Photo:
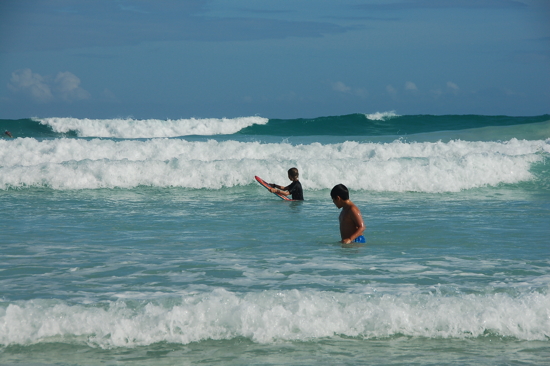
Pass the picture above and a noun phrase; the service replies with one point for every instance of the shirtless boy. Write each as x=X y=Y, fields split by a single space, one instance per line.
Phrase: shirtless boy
x=351 y=222
x=294 y=189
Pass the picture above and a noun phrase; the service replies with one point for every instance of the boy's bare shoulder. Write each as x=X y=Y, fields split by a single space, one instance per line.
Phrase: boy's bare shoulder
x=354 y=212
x=353 y=206
x=350 y=210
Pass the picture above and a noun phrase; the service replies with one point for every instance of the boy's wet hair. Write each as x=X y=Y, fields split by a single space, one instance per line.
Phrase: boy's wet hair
x=293 y=172
x=341 y=191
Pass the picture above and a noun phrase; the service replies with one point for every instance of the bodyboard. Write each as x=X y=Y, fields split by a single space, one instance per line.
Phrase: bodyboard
x=267 y=186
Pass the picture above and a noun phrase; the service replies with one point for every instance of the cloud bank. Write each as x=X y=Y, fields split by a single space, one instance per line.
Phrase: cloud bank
x=65 y=86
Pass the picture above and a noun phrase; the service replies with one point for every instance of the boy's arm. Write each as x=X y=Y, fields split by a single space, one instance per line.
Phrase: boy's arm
x=279 y=191
x=359 y=224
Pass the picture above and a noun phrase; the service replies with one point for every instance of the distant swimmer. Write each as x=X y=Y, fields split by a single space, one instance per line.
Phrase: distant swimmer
x=351 y=222
x=8 y=133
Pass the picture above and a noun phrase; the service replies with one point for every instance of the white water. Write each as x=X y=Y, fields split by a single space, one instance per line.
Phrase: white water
x=396 y=166
x=132 y=128
x=381 y=116
x=284 y=315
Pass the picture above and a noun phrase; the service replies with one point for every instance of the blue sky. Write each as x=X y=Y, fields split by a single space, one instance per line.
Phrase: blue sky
x=273 y=58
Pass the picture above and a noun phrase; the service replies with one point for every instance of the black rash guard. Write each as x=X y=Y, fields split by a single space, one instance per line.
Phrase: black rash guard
x=295 y=188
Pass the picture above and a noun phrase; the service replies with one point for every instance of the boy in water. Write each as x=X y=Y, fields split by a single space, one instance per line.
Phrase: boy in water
x=351 y=222
x=294 y=189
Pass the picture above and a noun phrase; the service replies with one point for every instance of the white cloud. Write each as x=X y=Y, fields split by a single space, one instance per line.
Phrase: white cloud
x=391 y=90
x=109 y=95
x=65 y=86
x=68 y=87
x=341 y=87
x=436 y=92
x=34 y=85
x=452 y=86
x=361 y=92
x=409 y=85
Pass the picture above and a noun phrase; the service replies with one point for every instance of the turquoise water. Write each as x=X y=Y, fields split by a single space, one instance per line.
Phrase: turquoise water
x=118 y=248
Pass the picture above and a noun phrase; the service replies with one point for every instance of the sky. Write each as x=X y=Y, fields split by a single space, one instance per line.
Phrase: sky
x=273 y=58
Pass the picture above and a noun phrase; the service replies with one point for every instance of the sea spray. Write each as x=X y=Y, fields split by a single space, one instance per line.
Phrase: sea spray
x=132 y=128
x=381 y=116
x=271 y=316
x=396 y=166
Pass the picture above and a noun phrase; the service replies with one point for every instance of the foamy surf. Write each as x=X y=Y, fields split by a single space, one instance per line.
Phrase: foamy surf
x=272 y=316
x=149 y=128
x=203 y=273
x=381 y=116
x=395 y=167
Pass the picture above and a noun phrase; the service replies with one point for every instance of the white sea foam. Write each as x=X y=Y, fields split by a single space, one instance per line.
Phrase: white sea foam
x=132 y=128
x=396 y=166
x=272 y=316
x=381 y=116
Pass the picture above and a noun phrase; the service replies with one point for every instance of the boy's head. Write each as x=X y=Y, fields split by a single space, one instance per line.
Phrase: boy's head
x=341 y=191
x=293 y=173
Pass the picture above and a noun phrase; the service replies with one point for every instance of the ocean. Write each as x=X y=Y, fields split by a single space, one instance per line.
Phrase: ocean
x=148 y=242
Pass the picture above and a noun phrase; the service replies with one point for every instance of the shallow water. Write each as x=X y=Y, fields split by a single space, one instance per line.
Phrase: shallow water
x=231 y=274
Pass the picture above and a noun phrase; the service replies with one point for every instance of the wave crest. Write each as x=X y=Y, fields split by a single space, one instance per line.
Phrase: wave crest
x=381 y=116
x=131 y=128
x=272 y=316
x=397 y=166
